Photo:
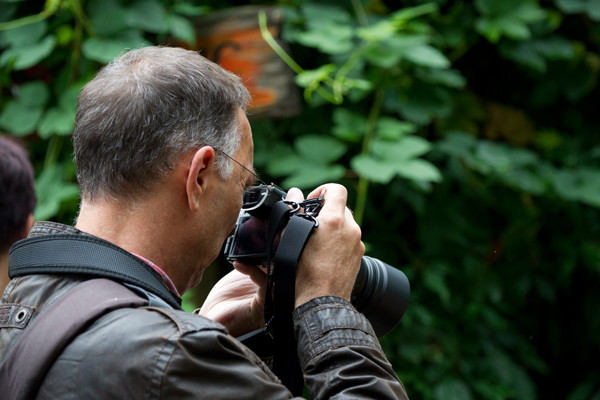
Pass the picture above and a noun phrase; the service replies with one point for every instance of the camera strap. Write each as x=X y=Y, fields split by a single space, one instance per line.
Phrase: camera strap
x=278 y=337
x=286 y=364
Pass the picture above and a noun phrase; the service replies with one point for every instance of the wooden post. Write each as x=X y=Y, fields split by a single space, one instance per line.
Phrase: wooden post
x=232 y=39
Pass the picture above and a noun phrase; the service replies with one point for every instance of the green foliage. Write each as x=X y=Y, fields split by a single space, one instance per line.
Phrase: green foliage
x=465 y=131
x=470 y=156
x=45 y=60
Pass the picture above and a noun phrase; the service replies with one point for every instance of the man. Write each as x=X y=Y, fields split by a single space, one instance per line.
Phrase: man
x=17 y=200
x=163 y=152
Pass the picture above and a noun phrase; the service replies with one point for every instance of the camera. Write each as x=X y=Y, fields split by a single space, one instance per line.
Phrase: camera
x=381 y=292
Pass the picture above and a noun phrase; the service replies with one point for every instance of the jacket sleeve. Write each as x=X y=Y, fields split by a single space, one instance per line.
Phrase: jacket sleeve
x=338 y=350
x=340 y=354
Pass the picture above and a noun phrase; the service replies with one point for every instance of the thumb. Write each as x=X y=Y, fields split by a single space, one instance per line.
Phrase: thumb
x=295 y=194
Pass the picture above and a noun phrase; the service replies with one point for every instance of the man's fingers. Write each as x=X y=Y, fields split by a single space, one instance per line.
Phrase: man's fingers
x=334 y=196
x=256 y=274
x=295 y=194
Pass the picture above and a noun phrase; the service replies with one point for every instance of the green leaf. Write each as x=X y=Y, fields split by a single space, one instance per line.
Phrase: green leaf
x=590 y=186
x=585 y=390
x=64 y=35
x=285 y=163
x=566 y=184
x=392 y=129
x=572 y=6
x=331 y=38
x=383 y=171
x=555 y=48
x=418 y=170
x=34 y=94
x=56 y=121
x=457 y=144
x=579 y=185
x=383 y=56
x=427 y=56
x=447 y=77
x=524 y=53
x=182 y=29
x=373 y=170
x=104 y=50
x=514 y=29
x=405 y=148
x=493 y=155
x=25 y=35
x=187 y=301
x=51 y=190
x=377 y=32
x=68 y=99
x=433 y=279
x=508 y=18
x=317 y=15
x=489 y=29
x=310 y=176
x=408 y=13
x=420 y=102
x=28 y=55
x=452 y=390
x=389 y=52
x=148 y=15
x=512 y=375
x=312 y=78
x=320 y=149
x=20 y=119
x=109 y=19
x=493 y=7
x=526 y=181
x=190 y=10
x=349 y=125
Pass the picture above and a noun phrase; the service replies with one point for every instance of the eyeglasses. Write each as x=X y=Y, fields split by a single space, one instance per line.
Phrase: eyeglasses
x=257 y=180
x=255 y=194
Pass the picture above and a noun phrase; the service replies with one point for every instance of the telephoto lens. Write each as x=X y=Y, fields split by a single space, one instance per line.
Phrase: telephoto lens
x=381 y=293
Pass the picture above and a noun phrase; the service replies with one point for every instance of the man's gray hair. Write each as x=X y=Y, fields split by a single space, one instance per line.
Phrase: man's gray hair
x=144 y=111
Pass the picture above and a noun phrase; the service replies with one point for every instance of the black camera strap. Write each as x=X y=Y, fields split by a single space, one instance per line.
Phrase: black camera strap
x=277 y=339
x=286 y=364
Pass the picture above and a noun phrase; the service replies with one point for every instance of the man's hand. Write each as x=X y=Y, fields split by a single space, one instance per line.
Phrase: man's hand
x=237 y=300
x=331 y=259
x=328 y=266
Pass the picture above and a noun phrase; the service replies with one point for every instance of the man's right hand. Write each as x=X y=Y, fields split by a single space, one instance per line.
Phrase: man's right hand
x=332 y=256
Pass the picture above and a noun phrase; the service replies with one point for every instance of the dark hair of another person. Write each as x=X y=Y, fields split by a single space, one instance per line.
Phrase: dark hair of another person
x=17 y=193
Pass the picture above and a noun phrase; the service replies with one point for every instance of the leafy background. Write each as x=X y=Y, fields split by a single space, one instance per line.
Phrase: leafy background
x=465 y=131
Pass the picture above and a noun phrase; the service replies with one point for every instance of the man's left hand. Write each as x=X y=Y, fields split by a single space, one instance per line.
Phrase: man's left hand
x=237 y=300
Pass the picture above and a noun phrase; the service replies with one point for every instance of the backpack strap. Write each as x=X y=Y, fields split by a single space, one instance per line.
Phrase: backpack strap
x=26 y=364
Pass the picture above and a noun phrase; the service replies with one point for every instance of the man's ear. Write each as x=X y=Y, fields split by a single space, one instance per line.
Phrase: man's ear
x=199 y=175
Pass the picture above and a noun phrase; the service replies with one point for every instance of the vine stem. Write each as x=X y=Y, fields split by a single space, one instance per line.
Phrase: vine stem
x=53 y=151
x=50 y=7
x=363 y=183
x=360 y=12
x=268 y=37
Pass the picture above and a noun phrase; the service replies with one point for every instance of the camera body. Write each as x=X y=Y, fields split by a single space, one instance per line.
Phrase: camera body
x=249 y=240
x=381 y=292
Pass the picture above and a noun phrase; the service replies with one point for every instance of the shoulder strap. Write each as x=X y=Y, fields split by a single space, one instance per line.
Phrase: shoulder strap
x=26 y=364
x=85 y=255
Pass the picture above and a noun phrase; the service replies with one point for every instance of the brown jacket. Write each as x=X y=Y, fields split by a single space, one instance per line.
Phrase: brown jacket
x=162 y=353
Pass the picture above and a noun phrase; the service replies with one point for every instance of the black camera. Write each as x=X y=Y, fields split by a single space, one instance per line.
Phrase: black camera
x=381 y=292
